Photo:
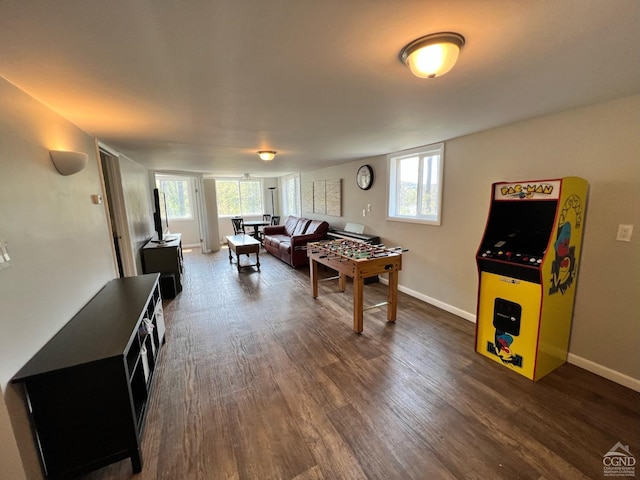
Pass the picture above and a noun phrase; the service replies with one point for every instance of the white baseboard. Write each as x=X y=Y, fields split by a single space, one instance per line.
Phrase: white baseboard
x=609 y=374
x=590 y=366
x=432 y=301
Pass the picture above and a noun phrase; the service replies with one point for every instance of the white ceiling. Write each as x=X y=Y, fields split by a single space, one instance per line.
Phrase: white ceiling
x=201 y=85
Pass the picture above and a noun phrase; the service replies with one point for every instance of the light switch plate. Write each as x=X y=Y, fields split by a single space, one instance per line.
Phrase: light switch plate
x=5 y=259
x=624 y=233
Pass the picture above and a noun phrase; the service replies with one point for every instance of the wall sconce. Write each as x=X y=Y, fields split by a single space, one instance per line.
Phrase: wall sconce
x=267 y=155
x=68 y=163
x=432 y=55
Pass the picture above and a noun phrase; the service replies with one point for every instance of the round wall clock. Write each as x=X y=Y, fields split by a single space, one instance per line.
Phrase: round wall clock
x=364 y=177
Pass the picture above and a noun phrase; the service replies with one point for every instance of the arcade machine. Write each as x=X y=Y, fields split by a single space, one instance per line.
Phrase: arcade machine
x=527 y=264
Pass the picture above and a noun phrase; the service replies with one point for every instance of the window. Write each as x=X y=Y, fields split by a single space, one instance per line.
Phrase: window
x=179 y=194
x=415 y=185
x=239 y=197
x=291 y=195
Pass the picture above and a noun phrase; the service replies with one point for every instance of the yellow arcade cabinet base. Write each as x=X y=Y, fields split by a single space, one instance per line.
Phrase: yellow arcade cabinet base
x=511 y=338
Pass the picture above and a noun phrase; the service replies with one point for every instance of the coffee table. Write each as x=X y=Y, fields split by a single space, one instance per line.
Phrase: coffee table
x=244 y=245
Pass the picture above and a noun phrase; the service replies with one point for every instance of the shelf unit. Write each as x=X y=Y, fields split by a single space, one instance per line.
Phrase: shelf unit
x=88 y=388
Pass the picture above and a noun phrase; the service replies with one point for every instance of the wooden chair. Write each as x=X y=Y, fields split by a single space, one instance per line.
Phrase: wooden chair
x=275 y=220
x=238 y=226
x=266 y=217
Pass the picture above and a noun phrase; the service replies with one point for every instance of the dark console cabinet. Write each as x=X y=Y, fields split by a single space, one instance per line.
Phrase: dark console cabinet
x=88 y=388
x=166 y=259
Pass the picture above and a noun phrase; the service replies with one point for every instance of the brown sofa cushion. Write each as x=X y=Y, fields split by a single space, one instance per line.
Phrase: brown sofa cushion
x=301 y=227
x=285 y=247
x=290 y=224
x=314 y=226
x=276 y=240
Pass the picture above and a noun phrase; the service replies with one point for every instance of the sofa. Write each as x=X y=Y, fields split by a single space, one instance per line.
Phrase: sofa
x=288 y=241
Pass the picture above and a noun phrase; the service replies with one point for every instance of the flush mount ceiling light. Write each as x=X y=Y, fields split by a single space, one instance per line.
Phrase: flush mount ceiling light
x=267 y=155
x=432 y=55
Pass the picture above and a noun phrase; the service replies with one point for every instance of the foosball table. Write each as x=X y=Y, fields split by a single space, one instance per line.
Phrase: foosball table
x=357 y=260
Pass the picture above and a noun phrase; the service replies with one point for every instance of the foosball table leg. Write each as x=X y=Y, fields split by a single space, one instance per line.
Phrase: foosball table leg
x=313 y=276
x=358 y=300
x=392 y=296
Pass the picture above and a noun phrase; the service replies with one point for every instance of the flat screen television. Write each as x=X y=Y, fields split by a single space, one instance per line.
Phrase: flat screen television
x=160 y=219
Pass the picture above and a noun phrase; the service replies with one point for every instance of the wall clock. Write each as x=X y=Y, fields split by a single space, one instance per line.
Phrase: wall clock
x=364 y=177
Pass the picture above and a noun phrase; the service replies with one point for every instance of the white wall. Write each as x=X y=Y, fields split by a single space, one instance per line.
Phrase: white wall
x=137 y=197
x=209 y=186
x=138 y=205
x=58 y=239
x=600 y=143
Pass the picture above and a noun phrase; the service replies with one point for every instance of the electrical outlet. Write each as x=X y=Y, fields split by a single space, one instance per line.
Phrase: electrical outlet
x=624 y=233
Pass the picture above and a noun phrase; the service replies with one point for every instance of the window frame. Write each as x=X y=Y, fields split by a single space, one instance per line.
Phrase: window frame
x=191 y=194
x=286 y=208
x=393 y=161
x=239 y=181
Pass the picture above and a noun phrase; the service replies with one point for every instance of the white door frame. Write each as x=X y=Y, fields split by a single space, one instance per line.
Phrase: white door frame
x=115 y=203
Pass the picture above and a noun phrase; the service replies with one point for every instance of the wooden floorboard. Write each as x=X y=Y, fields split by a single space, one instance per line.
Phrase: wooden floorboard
x=258 y=380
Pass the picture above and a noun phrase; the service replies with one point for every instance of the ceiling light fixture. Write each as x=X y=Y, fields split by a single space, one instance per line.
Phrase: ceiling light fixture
x=267 y=155
x=432 y=55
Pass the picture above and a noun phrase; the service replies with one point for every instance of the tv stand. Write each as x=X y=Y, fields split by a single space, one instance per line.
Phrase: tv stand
x=88 y=388
x=165 y=258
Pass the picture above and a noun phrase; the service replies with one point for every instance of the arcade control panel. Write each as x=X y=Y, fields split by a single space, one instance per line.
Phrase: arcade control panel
x=506 y=256
x=497 y=259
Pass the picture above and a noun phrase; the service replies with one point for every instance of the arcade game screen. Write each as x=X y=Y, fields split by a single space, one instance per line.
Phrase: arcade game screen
x=520 y=226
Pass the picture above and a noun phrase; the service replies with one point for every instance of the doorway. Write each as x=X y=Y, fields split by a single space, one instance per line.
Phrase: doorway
x=124 y=257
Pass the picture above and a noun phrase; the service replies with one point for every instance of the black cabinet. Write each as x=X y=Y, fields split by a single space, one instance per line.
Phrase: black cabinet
x=88 y=388
x=166 y=259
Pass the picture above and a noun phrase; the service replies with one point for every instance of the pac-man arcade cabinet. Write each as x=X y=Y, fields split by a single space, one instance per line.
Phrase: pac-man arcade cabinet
x=528 y=266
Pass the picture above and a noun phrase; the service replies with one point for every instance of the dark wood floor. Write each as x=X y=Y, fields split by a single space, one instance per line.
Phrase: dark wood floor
x=260 y=381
